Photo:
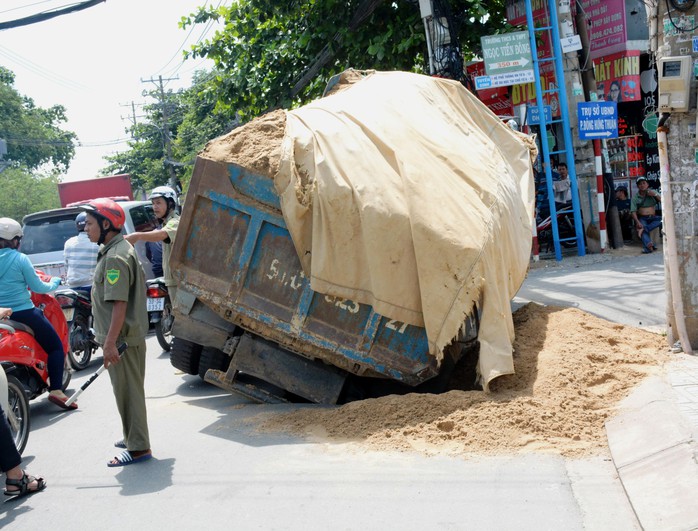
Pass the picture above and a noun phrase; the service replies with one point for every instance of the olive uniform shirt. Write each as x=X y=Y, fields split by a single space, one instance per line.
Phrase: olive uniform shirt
x=170 y=227
x=119 y=277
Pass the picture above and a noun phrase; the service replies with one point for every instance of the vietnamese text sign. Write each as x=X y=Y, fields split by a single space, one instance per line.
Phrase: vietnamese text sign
x=533 y=117
x=597 y=119
x=607 y=32
x=508 y=52
x=503 y=80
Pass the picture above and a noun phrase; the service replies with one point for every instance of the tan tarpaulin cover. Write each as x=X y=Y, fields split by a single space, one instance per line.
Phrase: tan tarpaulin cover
x=405 y=192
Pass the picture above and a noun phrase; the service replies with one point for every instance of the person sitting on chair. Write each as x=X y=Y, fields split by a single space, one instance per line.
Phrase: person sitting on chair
x=643 y=211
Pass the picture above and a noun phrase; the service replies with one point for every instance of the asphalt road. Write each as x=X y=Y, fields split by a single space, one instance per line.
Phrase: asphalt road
x=213 y=469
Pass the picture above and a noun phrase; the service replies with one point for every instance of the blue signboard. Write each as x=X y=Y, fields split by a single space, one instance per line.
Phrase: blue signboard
x=533 y=116
x=597 y=120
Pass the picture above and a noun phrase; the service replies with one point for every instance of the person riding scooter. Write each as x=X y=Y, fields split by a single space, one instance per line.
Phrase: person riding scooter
x=164 y=201
x=80 y=256
x=17 y=277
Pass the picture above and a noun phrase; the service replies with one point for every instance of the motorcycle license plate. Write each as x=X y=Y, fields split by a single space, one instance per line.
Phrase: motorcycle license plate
x=156 y=304
x=68 y=312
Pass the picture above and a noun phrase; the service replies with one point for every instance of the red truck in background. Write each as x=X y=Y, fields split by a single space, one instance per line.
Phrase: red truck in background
x=109 y=186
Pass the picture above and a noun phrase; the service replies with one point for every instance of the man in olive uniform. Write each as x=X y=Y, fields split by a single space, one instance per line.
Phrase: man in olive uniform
x=120 y=315
x=164 y=200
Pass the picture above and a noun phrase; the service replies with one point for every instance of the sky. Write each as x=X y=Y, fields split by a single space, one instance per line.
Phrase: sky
x=97 y=62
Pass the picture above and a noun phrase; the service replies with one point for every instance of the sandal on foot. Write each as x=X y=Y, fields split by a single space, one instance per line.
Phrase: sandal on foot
x=60 y=402
x=23 y=485
x=120 y=444
x=127 y=459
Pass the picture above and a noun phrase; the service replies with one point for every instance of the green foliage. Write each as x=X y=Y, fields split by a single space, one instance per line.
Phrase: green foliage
x=33 y=134
x=28 y=193
x=267 y=47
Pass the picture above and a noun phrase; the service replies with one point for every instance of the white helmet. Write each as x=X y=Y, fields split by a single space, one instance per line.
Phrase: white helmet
x=165 y=192
x=10 y=229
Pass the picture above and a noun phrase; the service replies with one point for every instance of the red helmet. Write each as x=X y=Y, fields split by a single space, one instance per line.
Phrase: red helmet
x=107 y=209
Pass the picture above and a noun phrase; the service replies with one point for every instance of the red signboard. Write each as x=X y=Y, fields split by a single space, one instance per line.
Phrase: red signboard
x=618 y=76
x=607 y=27
x=496 y=99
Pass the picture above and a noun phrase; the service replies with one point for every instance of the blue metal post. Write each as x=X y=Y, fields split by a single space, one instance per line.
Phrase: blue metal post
x=564 y=113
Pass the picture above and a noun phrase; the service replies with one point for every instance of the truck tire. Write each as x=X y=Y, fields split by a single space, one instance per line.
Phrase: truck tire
x=185 y=355
x=212 y=358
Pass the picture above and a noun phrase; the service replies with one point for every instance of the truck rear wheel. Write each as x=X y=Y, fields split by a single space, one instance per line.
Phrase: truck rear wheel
x=185 y=355
x=212 y=358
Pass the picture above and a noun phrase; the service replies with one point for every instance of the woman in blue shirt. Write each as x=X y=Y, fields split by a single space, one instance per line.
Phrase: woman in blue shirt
x=17 y=277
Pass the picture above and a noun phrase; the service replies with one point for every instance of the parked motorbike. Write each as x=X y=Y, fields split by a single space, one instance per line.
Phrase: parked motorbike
x=565 y=230
x=77 y=309
x=15 y=404
x=20 y=350
x=160 y=311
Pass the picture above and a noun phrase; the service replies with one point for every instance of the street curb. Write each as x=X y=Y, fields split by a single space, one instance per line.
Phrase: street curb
x=655 y=452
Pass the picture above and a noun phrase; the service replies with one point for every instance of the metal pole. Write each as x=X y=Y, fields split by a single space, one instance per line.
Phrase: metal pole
x=599 y=193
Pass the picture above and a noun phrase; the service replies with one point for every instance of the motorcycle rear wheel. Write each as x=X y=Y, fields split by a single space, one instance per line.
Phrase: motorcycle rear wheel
x=18 y=413
x=81 y=348
x=67 y=374
x=163 y=328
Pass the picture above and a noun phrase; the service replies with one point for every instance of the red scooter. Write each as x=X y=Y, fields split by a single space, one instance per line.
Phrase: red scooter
x=21 y=355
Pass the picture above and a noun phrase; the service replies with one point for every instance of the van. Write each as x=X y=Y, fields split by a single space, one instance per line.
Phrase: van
x=45 y=234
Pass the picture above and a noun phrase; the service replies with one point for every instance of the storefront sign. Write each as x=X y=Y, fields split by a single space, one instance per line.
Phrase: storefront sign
x=597 y=120
x=607 y=29
x=618 y=76
x=526 y=93
x=497 y=99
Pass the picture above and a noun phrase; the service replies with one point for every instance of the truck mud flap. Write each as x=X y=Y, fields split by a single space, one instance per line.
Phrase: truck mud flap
x=294 y=374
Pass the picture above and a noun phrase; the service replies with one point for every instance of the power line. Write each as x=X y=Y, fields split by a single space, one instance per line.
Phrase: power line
x=40 y=70
x=25 y=6
x=40 y=17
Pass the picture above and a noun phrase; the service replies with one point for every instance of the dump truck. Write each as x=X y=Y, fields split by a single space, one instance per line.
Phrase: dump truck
x=297 y=283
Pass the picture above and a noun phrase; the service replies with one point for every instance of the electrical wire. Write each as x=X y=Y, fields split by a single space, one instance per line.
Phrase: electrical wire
x=671 y=19
x=40 y=70
x=25 y=6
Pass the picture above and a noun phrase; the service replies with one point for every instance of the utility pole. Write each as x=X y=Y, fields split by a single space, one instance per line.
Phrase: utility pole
x=671 y=24
x=166 y=140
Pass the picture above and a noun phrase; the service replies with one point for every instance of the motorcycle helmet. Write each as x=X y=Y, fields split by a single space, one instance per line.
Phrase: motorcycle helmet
x=10 y=229
x=108 y=209
x=165 y=192
x=80 y=221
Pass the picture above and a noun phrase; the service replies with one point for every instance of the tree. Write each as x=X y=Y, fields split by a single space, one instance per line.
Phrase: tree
x=33 y=134
x=267 y=46
x=28 y=193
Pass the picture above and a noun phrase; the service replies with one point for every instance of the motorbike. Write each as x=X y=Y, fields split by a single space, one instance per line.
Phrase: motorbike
x=565 y=229
x=77 y=309
x=15 y=404
x=160 y=311
x=22 y=356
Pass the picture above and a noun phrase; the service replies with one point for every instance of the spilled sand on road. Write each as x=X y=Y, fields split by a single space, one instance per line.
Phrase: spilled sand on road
x=572 y=370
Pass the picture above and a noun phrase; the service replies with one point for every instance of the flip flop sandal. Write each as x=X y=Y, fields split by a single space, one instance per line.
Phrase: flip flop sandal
x=127 y=459
x=120 y=444
x=60 y=402
x=23 y=486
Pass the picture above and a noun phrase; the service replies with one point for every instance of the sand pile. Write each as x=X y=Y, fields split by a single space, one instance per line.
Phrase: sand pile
x=572 y=369
x=255 y=145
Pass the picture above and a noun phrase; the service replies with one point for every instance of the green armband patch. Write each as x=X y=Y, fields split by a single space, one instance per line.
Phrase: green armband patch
x=113 y=276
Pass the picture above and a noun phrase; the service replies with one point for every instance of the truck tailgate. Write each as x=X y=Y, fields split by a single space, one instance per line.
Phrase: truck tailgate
x=234 y=253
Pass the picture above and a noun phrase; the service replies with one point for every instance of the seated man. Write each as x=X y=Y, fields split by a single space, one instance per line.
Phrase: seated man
x=623 y=205
x=643 y=211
